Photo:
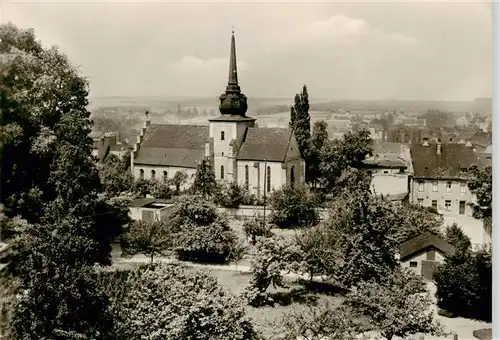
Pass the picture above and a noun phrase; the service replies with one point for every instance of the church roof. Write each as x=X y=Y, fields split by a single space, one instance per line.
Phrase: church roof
x=265 y=143
x=173 y=145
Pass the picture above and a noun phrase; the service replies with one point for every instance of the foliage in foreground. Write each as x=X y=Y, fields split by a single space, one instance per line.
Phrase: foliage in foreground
x=398 y=305
x=171 y=302
x=464 y=284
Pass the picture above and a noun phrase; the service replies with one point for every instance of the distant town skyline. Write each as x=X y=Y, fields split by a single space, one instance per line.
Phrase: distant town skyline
x=342 y=51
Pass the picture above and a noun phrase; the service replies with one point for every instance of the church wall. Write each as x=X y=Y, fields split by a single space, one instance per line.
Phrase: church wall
x=293 y=159
x=171 y=170
x=256 y=175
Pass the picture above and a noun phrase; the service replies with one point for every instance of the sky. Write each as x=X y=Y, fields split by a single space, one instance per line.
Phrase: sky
x=342 y=50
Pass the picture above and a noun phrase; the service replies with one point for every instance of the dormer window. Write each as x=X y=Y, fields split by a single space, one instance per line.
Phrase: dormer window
x=222 y=135
x=463 y=170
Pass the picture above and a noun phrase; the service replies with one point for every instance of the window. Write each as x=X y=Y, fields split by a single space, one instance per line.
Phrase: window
x=153 y=175
x=463 y=170
x=413 y=264
x=463 y=188
x=448 y=186
x=222 y=135
x=461 y=208
x=420 y=201
x=141 y=174
x=165 y=176
x=222 y=172
x=435 y=186
x=386 y=172
x=401 y=170
x=435 y=204
x=431 y=255
x=268 y=186
x=447 y=205
x=292 y=175
x=420 y=186
x=222 y=153
x=247 y=176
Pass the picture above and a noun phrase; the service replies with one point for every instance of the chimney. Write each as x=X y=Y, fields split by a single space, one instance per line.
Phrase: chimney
x=425 y=141
x=438 y=147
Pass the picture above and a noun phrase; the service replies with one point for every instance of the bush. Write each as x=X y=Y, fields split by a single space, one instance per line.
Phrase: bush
x=293 y=207
x=455 y=236
x=200 y=232
x=256 y=228
x=148 y=238
x=160 y=190
x=464 y=286
x=171 y=302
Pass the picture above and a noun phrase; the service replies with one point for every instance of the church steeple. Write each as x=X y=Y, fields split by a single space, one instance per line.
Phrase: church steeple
x=233 y=102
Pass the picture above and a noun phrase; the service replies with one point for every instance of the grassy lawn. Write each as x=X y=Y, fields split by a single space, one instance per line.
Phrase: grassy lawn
x=264 y=318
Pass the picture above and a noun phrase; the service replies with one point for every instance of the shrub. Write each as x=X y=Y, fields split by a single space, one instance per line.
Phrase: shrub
x=256 y=228
x=148 y=238
x=141 y=187
x=171 y=302
x=200 y=232
x=160 y=190
x=455 y=236
x=464 y=286
x=293 y=207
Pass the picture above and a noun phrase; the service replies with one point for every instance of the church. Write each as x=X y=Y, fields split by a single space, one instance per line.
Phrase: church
x=258 y=158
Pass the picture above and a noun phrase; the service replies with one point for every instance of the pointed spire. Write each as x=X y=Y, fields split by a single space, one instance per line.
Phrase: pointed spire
x=232 y=84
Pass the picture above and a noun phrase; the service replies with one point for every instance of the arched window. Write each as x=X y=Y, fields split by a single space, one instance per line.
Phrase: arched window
x=141 y=174
x=292 y=175
x=222 y=172
x=268 y=189
x=222 y=135
x=246 y=176
x=153 y=175
x=165 y=176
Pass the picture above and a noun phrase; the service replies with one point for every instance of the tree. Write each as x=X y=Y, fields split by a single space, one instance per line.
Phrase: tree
x=141 y=187
x=231 y=196
x=414 y=220
x=300 y=121
x=180 y=178
x=204 y=181
x=318 y=139
x=455 y=236
x=45 y=126
x=464 y=286
x=293 y=206
x=115 y=175
x=481 y=185
x=159 y=190
x=200 y=232
x=398 y=306
x=148 y=238
x=338 y=155
x=318 y=253
x=275 y=255
x=172 y=302
x=364 y=228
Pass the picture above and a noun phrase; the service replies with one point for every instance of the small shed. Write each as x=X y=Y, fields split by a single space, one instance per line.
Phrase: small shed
x=150 y=209
x=423 y=253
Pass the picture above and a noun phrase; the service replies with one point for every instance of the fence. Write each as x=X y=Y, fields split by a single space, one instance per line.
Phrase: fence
x=250 y=211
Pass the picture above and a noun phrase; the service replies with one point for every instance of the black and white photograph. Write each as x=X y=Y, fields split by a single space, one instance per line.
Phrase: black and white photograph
x=235 y=170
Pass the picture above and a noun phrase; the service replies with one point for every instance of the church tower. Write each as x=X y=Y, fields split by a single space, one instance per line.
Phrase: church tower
x=227 y=130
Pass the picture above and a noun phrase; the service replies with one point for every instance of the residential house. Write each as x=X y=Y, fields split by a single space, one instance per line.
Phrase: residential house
x=391 y=169
x=440 y=181
x=463 y=120
x=107 y=143
x=424 y=253
x=261 y=159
